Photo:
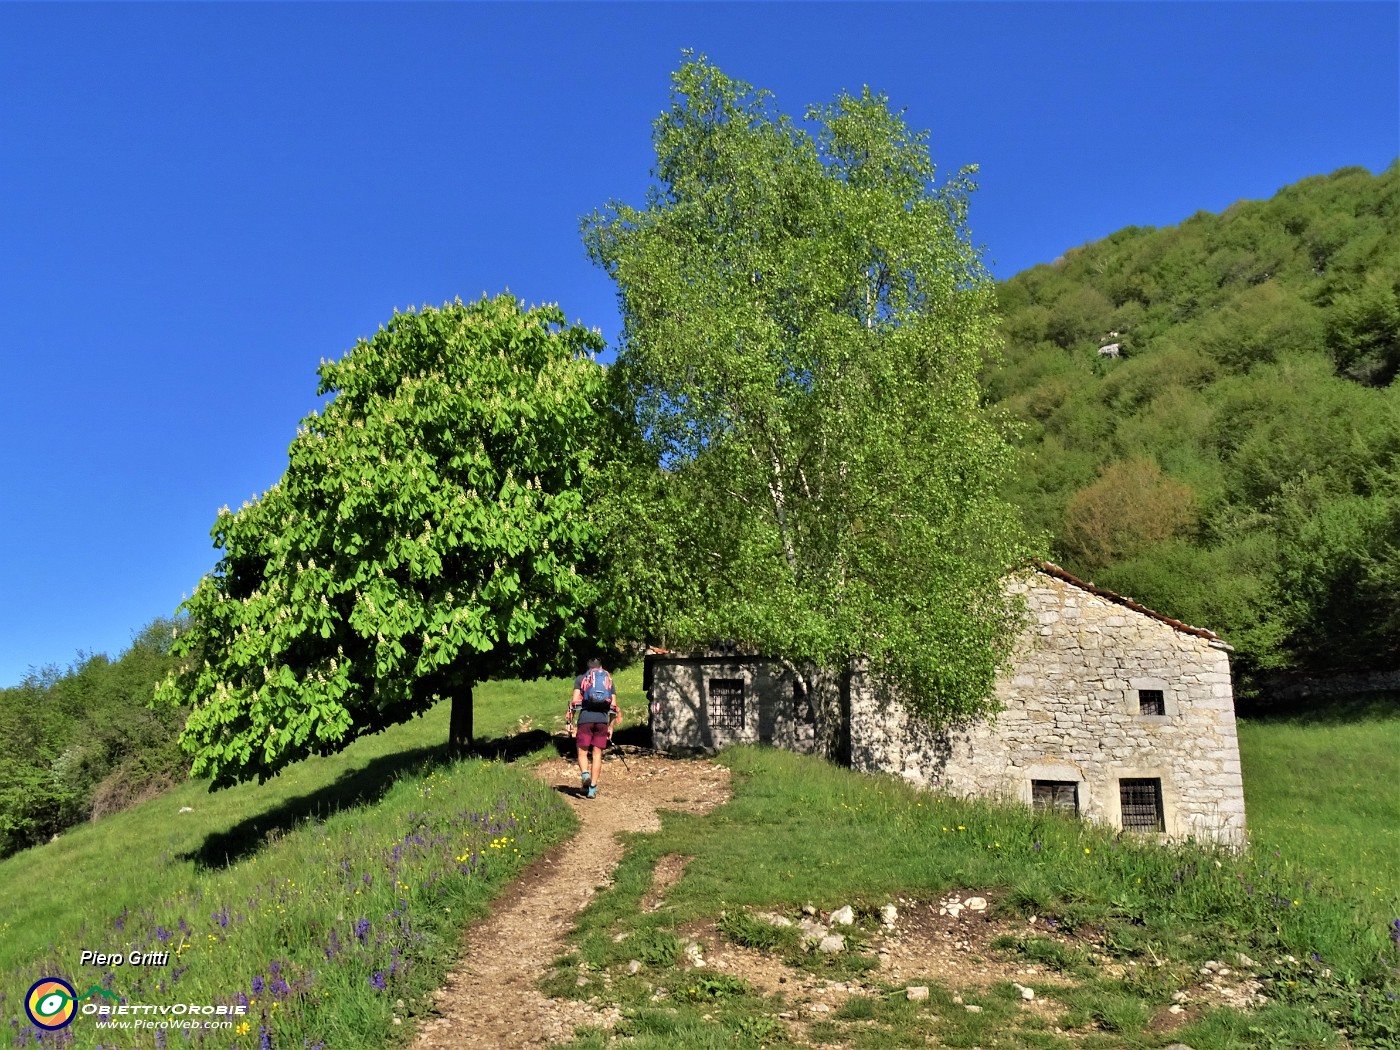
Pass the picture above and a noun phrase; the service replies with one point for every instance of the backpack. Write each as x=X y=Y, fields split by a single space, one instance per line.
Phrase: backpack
x=596 y=691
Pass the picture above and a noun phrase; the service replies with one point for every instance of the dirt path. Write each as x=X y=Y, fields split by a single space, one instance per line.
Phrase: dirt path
x=491 y=1000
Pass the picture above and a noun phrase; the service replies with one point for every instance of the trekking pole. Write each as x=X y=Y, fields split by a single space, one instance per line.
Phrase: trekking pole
x=620 y=755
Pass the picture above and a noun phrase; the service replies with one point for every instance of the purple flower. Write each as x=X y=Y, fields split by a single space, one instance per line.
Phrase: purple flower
x=279 y=987
x=1395 y=932
x=362 y=929
x=264 y=1038
x=183 y=925
x=221 y=917
x=258 y=985
x=1036 y=847
x=274 y=968
x=377 y=982
x=162 y=934
x=333 y=947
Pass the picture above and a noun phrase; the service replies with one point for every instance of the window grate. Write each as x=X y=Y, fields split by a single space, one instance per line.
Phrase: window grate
x=726 y=703
x=1151 y=702
x=1141 y=798
x=1059 y=795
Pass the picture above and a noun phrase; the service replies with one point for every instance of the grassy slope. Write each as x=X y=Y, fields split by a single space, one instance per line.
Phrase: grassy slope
x=1324 y=791
x=264 y=874
x=879 y=839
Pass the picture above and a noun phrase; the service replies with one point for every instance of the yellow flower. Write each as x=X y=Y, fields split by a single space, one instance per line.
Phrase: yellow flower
x=242 y=1028
x=1087 y=850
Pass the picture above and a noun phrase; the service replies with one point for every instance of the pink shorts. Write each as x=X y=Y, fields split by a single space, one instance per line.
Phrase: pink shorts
x=592 y=734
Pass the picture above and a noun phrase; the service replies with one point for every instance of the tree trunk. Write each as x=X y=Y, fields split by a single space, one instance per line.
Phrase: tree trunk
x=459 y=728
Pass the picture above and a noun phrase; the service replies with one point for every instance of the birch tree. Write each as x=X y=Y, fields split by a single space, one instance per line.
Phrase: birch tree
x=804 y=321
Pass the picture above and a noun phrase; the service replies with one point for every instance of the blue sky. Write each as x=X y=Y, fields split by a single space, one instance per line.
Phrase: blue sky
x=199 y=202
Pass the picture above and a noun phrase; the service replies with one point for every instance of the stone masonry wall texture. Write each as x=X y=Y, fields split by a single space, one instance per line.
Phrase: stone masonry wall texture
x=1071 y=714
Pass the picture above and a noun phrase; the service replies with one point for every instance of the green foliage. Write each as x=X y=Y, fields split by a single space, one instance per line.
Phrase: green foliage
x=804 y=323
x=84 y=742
x=1235 y=466
x=434 y=529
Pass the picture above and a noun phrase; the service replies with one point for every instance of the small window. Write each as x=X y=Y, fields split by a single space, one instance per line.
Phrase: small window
x=1059 y=795
x=1151 y=702
x=1142 y=803
x=727 y=703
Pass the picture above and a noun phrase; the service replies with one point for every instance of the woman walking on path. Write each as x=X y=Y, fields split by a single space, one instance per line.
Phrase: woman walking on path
x=592 y=716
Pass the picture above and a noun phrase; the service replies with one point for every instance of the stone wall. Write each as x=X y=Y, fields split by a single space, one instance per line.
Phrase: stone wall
x=1071 y=715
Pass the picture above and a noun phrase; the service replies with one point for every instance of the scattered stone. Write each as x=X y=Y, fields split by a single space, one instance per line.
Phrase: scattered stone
x=1176 y=1008
x=975 y=904
x=1245 y=960
x=633 y=965
x=582 y=982
x=1178 y=997
x=832 y=944
x=843 y=916
x=398 y=1020
x=1206 y=970
x=1224 y=971
x=972 y=1009
x=618 y=938
x=398 y=1004
x=772 y=918
x=1027 y=994
x=809 y=909
x=693 y=956
x=812 y=930
x=820 y=1008
x=916 y=993
x=1177 y=1046
x=958 y=1000
x=186 y=809
x=888 y=914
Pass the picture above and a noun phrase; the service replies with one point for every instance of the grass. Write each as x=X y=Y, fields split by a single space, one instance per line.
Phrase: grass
x=799 y=830
x=327 y=901
x=260 y=894
x=1322 y=791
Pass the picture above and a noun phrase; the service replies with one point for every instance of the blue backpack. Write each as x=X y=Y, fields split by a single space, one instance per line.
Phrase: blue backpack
x=596 y=690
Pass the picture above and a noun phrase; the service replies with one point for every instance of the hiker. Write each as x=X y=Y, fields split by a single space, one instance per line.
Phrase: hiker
x=595 y=704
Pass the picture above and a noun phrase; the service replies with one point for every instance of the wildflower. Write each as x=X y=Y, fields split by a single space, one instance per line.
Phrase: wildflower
x=243 y=1028
x=1395 y=932
x=258 y=985
x=377 y=981
x=362 y=930
x=1087 y=849
x=264 y=1038
x=1036 y=846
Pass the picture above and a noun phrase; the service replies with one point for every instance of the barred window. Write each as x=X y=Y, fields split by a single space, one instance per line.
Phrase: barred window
x=1151 y=702
x=1059 y=795
x=1141 y=798
x=726 y=703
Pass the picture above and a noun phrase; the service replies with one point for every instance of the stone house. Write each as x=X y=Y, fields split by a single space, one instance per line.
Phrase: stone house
x=1110 y=710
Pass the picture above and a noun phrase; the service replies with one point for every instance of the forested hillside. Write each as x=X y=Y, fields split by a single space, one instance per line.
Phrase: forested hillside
x=85 y=742
x=1235 y=464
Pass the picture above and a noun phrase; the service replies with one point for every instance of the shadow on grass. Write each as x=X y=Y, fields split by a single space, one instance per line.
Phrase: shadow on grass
x=1325 y=711
x=361 y=786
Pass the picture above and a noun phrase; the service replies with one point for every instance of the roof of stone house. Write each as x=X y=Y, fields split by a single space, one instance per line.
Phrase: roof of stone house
x=1051 y=569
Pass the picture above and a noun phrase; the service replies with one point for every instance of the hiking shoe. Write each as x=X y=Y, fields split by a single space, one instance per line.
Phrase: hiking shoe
x=592 y=790
x=586 y=778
